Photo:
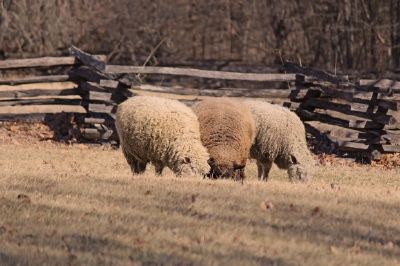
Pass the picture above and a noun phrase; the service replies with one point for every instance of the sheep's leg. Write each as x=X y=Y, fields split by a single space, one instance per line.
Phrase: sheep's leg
x=263 y=170
x=137 y=167
x=159 y=167
x=260 y=169
x=140 y=167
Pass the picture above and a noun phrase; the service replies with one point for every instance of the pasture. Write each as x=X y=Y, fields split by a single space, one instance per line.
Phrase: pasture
x=78 y=205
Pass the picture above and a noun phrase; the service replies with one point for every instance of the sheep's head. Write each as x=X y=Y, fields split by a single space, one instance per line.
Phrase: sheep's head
x=300 y=171
x=189 y=167
x=226 y=169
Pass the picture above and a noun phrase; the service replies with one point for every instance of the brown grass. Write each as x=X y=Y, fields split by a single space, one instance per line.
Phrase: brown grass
x=77 y=205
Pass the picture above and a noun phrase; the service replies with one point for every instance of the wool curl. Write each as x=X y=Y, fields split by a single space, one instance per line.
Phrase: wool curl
x=280 y=139
x=227 y=130
x=161 y=131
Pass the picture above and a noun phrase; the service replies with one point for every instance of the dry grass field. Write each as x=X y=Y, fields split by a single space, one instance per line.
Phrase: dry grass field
x=80 y=205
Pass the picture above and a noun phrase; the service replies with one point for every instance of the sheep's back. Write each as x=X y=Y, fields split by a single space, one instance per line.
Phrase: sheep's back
x=151 y=125
x=226 y=125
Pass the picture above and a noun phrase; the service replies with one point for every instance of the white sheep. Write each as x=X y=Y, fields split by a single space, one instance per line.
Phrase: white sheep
x=161 y=131
x=280 y=139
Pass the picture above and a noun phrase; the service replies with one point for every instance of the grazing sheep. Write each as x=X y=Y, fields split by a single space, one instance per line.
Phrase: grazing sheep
x=161 y=131
x=227 y=130
x=280 y=139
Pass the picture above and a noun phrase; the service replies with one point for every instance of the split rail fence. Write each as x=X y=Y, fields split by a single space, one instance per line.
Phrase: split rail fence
x=361 y=117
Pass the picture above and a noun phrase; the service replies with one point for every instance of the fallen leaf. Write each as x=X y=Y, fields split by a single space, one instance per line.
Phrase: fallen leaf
x=266 y=205
x=355 y=249
x=389 y=245
x=24 y=198
x=2 y=229
x=316 y=211
x=334 y=250
x=193 y=198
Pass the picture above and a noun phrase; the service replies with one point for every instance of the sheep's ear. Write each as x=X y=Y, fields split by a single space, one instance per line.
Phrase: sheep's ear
x=186 y=160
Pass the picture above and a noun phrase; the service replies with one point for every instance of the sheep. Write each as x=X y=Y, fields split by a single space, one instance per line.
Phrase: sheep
x=161 y=131
x=227 y=130
x=280 y=139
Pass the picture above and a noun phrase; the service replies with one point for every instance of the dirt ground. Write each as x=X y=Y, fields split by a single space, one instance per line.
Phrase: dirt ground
x=66 y=204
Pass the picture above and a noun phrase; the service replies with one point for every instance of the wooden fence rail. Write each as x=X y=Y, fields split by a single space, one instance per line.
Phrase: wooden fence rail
x=199 y=73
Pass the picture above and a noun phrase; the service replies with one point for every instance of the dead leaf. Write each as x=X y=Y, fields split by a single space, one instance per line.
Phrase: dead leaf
x=316 y=211
x=24 y=198
x=193 y=198
x=2 y=229
x=13 y=128
x=389 y=245
x=334 y=250
x=266 y=206
x=355 y=249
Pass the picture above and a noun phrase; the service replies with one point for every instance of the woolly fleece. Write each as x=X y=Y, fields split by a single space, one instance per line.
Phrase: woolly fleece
x=161 y=131
x=227 y=130
x=280 y=138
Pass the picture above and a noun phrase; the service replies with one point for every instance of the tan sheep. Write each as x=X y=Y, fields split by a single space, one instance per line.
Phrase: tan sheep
x=161 y=131
x=227 y=130
x=280 y=139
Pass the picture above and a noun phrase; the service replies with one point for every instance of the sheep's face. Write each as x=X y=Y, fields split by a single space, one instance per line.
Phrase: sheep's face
x=188 y=167
x=300 y=167
x=298 y=172
x=226 y=170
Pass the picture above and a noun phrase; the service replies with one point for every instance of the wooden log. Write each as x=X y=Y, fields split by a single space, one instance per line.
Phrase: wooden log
x=348 y=123
x=342 y=145
x=100 y=96
x=96 y=134
x=107 y=134
x=391 y=148
x=381 y=83
x=30 y=117
x=300 y=78
x=352 y=146
x=37 y=113
x=229 y=92
x=319 y=74
x=91 y=133
x=347 y=134
x=37 y=62
x=87 y=59
x=100 y=108
x=36 y=92
x=37 y=101
x=37 y=79
x=383 y=101
x=199 y=73
x=350 y=109
x=106 y=83
x=60 y=97
x=93 y=120
x=346 y=145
